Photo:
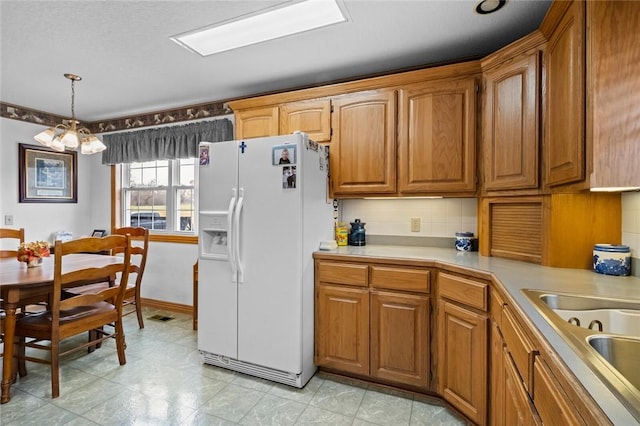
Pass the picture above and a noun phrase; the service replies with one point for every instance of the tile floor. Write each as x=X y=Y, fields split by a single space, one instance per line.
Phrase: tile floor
x=165 y=383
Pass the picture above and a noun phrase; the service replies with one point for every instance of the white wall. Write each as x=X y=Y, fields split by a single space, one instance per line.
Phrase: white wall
x=42 y=220
x=440 y=217
x=631 y=222
x=168 y=276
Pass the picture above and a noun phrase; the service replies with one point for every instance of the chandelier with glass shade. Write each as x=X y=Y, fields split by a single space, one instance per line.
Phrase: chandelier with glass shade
x=70 y=134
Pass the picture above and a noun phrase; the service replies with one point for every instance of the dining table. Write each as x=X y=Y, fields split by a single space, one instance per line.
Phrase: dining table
x=19 y=283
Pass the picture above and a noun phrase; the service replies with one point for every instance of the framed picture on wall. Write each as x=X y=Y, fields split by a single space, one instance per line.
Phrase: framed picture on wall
x=47 y=176
x=99 y=233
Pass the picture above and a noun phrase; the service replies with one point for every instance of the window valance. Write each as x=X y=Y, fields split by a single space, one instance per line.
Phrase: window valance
x=164 y=143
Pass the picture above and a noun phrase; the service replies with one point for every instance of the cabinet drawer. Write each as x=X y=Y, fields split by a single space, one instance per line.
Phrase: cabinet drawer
x=520 y=347
x=416 y=280
x=463 y=290
x=343 y=273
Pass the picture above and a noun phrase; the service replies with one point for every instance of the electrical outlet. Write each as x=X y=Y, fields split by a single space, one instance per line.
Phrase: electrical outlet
x=415 y=224
x=8 y=219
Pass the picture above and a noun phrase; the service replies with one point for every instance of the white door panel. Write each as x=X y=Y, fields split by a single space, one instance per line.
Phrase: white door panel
x=269 y=301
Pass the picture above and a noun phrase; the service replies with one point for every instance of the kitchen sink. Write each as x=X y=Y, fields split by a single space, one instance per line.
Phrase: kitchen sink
x=576 y=302
x=595 y=313
x=622 y=353
x=604 y=332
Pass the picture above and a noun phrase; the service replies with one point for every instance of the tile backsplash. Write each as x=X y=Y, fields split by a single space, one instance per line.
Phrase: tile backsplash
x=439 y=217
x=631 y=222
x=443 y=217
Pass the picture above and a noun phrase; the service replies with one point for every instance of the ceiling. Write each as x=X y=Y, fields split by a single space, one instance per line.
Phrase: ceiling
x=129 y=66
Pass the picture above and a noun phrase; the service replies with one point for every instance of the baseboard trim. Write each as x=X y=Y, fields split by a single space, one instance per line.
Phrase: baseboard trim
x=168 y=306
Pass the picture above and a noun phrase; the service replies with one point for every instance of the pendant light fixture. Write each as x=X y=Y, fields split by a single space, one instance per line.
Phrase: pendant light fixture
x=69 y=134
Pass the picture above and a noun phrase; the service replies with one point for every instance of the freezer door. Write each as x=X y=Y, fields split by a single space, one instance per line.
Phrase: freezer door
x=270 y=293
x=217 y=288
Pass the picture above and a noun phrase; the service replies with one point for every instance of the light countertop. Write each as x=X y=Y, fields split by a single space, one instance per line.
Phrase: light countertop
x=516 y=276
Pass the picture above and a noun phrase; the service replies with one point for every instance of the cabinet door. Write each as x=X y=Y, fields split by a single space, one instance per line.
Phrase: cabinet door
x=511 y=124
x=363 y=146
x=518 y=409
x=497 y=397
x=311 y=117
x=342 y=328
x=614 y=92
x=400 y=338
x=462 y=360
x=437 y=137
x=256 y=123
x=564 y=141
x=550 y=400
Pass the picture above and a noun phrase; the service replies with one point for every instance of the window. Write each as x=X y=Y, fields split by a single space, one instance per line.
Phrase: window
x=160 y=196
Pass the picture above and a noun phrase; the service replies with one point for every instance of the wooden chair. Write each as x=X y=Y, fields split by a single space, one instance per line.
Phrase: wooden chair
x=139 y=248
x=16 y=234
x=87 y=312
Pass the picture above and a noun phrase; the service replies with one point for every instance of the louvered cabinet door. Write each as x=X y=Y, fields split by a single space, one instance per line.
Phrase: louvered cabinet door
x=557 y=230
x=515 y=228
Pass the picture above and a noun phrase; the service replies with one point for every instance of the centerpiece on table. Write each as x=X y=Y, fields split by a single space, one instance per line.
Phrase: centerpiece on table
x=32 y=253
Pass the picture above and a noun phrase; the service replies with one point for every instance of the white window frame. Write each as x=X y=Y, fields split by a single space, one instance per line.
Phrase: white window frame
x=172 y=200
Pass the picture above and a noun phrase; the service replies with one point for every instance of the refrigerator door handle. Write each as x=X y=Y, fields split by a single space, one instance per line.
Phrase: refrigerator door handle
x=236 y=236
x=230 y=237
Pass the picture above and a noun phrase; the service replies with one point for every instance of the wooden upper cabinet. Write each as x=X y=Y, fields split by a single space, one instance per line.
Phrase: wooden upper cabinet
x=311 y=117
x=363 y=146
x=256 y=123
x=511 y=124
x=564 y=136
x=437 y=138
x=613 y=86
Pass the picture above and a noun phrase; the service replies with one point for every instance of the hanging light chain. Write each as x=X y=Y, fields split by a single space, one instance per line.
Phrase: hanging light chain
x=73 y=78
x=73 y=98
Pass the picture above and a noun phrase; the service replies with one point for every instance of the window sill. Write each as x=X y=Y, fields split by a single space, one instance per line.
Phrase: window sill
x=180 y=239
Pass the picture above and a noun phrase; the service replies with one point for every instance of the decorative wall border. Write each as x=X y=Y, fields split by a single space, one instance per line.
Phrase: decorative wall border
x=187 y=113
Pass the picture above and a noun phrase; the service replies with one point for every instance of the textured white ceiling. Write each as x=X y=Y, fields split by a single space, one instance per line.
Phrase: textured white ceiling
x=129 y=65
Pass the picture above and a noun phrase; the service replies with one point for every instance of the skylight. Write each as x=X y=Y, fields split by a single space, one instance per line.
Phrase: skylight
x=275 y=23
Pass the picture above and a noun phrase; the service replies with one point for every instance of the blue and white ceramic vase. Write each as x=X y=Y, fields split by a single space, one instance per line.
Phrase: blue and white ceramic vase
x=465 y=241
x=610 y=259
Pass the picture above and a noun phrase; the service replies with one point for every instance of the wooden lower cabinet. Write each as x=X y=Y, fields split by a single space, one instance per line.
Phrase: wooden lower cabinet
x=342 y=328
x=373 y=321
x=550 y=400
x=400 y=338
x=518 y=409
x=510 y=403
x=472 y=347
x=463 y=359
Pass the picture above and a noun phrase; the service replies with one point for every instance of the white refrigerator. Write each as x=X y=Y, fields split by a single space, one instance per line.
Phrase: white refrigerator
x=263 y=211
